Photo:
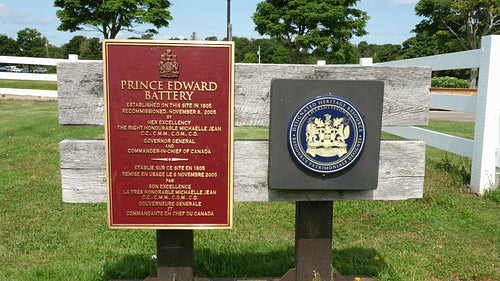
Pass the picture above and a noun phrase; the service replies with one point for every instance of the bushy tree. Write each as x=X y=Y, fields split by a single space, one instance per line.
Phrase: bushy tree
x=111 y=16
x=462 y=21
x=321 y=25
x=30 y=43
x=8 y=46
x=272 y=50
x=85 y=48
x=73 y=46
x=91 y=49
x=241 y=48
x=421 y=45
x=465 y=20
x=379 y=53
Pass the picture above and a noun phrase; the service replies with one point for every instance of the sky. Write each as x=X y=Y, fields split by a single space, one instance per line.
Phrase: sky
x=391 y=21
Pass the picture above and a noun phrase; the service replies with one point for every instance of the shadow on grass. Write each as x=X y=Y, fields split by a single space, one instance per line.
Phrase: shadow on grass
x=244 y=264
x=129 y=267
x=353 y=261
x=361 y=261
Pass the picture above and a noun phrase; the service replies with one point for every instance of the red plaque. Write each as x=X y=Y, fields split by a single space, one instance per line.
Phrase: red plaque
x=169 y=133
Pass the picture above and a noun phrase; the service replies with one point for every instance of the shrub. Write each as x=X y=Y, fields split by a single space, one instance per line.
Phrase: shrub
x=449 y=82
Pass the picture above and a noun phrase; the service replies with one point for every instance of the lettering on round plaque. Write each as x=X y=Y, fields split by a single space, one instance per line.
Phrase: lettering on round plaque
x=326 y=134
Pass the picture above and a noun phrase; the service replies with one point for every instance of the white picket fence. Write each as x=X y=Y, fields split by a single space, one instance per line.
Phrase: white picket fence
x=485 y=148
x=31 y=76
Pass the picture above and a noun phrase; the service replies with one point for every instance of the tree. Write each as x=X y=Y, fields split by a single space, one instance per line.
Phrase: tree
x=310 y=24
x=110 y=17
x=8 y=46
x=30 y=43
x=344 y=54
x=421 y=45
x=464 y=21
x=250 y=58
x=241 y=48
x=91 y=49
x=56 y=52
x=272 y=50
x=73 y=46
x=85 y=48
x=379 y=53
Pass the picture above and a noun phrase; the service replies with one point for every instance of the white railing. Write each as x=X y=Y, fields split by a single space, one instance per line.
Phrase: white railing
x=485 y=148
x=30 y=76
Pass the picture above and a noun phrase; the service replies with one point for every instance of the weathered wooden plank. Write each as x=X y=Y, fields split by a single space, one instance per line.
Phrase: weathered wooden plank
x=83 y=185
x=83 y=170
x=406 y=89
x=401 y=174
x=80 y=93
x=406 y=98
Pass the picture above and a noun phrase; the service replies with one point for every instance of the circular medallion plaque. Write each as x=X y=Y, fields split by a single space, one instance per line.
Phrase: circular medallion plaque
x=326 y=134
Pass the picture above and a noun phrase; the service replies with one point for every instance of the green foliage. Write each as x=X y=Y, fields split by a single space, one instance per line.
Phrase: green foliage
x=30 y=43
x=458 y=25
x=493 y=195
x=345 y=53
x=271 y=50
x=251 y=58
x=459 y=174
x=242 y=47
x=8 y=46
x=91 y=49
x=73 y=46
x=421 y=45
x=319 y=25
x=109 y=17
x=449 y=82
x=463 y=21
x=379 y=53
x=85 y=48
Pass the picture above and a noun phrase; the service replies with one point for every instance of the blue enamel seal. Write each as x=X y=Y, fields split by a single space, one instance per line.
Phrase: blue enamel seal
x=326 y=134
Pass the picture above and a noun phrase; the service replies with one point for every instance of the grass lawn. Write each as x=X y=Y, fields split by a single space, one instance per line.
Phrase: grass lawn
x=449 y=234
x=27 y=84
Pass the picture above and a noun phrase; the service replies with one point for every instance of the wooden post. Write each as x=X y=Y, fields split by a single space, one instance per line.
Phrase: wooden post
x=313 y=243
x=313 y=240
x=175 y=255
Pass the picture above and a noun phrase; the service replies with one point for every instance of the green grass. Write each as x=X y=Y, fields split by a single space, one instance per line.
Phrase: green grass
x=449 y=234
x=251 y=133
x=459 y=129
x=26 y=84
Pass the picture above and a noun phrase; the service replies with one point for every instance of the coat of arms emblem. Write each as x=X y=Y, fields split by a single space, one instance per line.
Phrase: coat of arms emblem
x=327 y=137
x=326 y=134
x=168 y=66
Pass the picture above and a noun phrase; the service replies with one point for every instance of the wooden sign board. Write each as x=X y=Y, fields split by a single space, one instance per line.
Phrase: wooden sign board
x=169 y=133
